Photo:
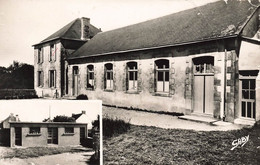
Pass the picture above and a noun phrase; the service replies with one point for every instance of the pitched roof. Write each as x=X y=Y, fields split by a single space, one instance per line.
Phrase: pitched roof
x=211 y=21
x=71 y=31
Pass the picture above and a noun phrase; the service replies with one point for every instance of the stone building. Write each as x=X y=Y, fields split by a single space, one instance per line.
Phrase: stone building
x=202 y=61
x=31 y=134
x=49 y=55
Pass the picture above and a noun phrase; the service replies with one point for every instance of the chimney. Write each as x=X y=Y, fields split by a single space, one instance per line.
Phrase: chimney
x=85 y=31
x=17 y=118
x=83 y=112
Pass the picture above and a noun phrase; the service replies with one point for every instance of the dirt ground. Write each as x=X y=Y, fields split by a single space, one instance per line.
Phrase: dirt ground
x=79 y=158
x=161 y=120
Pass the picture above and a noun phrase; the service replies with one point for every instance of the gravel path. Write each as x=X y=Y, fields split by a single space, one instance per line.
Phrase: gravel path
x=162 y=121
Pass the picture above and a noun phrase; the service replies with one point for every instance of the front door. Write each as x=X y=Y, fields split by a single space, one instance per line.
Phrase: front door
x=203 y=94
x=82 y=135
x=52 y=135
x=18 y=136
x=203 y=85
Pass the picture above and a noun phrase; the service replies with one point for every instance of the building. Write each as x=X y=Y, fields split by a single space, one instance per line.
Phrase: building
x=49 y=54
x=5 y=129
x=82 y=118
x=202 y=61
x=31 y=134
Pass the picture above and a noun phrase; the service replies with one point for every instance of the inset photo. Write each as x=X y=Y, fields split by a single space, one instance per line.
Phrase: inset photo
x=50 y=131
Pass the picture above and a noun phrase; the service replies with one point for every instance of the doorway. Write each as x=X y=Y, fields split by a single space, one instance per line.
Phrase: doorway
x=18 y=136
x=203 y=86
x=75 y=80
x=52 y=135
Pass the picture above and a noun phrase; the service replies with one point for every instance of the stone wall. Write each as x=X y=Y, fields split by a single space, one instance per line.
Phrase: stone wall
x=45 y=66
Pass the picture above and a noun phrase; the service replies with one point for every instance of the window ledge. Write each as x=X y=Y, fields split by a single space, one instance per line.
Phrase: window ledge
x=162 y=94
x=90 y=89
x=132 y=92
x=68 y=134
x=34 y=134
x=108 y=90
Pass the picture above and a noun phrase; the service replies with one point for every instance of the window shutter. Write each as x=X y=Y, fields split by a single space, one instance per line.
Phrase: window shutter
x=49 y=78
x=114 y=76
x=95 y=77
x=104 y=77
x=42 y=79
x=152 y=78
x=54 y=78
x=50 y=54
x=42 y=55
x=87 y=78
x=54 y=52
x=125 y=77
x=139 y=78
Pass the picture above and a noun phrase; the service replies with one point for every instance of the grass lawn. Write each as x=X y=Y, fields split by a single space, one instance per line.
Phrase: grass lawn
x=151 y=145
x=30 y=152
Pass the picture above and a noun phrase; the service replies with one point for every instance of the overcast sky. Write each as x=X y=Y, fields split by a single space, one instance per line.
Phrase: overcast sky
x=39 y=109
x=27 y=22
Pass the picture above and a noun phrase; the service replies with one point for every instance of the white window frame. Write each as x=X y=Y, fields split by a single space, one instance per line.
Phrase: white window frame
x=52 y=56
x=132 y=86
x=164 y=82
x=89 y=80
x=252 y=101
x=109 y=73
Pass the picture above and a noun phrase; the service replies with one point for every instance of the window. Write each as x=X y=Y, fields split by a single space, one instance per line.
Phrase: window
x=203 y=65
x=90 y=76
x=132 y=76
x=40 y=56
x=34 y=130
x=109 y=76
x=69 y=130
x=52 y=57
x=248 y=98
x=52 y=78
x=40 y=79
x=162 y=75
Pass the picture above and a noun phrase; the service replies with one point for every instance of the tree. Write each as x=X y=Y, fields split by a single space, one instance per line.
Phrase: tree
x=63 y=118
x=17 y=76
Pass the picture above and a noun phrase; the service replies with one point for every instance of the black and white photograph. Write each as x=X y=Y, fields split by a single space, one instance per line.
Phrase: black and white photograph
x=171 y=82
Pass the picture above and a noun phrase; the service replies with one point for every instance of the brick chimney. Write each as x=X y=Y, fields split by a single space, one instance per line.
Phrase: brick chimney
x=85 y=31
x=83 y=112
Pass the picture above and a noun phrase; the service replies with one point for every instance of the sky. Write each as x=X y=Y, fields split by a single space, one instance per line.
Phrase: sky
x=40 y=109
x=27 y=22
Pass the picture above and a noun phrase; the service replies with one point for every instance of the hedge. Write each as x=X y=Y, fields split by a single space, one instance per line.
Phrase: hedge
x=17 y=94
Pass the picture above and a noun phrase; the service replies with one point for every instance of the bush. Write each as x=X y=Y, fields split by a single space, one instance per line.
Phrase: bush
x=82 y=97
x=63 y=118
x=112 y=127
x=17 y=94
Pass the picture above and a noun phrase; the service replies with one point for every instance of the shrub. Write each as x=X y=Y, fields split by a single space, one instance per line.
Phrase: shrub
x=82 y=97
x=63 y=118
x=17 y=94
x=112 y=127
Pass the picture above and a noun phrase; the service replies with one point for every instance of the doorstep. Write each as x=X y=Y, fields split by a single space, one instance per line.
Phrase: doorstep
x=245 y=121
x=201 y=119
